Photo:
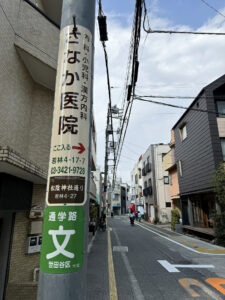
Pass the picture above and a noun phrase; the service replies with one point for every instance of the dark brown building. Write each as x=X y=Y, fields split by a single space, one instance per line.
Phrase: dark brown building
x=199 y=148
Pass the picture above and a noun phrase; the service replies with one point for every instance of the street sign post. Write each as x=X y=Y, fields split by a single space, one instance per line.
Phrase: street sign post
x=64 y=245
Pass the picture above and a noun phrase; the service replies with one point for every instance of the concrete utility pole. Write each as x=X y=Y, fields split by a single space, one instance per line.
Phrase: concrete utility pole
x=65 y=231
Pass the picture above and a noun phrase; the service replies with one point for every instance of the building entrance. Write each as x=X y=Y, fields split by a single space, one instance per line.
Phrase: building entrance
x=6 y=224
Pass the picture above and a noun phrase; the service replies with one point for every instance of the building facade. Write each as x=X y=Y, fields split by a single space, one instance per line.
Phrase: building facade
x=199 y=148
x=28 y=52
x=124 y=198
x=169 y=164
x=136 y=185
x=156 y=184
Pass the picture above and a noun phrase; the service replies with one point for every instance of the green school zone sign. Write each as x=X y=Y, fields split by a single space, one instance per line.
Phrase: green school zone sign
x=63 y=239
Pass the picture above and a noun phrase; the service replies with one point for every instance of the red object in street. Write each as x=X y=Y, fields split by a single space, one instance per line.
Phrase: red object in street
x=149 y=220
x=80 y=148
x=132 y=208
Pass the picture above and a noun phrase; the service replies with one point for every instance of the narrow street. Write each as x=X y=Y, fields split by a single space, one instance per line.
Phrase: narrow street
x=144 y=258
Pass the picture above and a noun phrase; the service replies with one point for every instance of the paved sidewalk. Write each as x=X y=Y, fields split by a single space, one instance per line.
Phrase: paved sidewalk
x=195 y=244
x=97 y=269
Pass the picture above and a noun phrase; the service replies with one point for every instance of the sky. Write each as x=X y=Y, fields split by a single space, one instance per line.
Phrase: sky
x=170 y=65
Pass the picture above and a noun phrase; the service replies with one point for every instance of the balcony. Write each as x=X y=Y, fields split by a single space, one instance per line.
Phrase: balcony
x=149 y=191
x=37 y=40
x=148 y=168
x=143 y=172
x=14 y=164
x=169 y=160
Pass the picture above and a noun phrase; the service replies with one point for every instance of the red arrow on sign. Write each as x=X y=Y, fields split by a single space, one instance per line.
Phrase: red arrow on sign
x=80 y=148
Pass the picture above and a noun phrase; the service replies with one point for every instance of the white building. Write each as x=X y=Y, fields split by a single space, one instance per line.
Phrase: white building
x=136 y=185
x=156 y=184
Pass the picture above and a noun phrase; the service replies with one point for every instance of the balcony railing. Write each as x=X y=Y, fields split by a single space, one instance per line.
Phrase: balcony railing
x=147 y=191
x=148 y=168
x=143 y=172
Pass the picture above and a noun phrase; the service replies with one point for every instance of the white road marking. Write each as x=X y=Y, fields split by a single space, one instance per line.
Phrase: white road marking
x=91 y=243
x=175 y=242
x=120 y=249
x=173 y=268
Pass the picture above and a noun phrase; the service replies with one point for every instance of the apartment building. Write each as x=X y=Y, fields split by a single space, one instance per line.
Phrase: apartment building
x=199 y=148
x=124 y=198
x=169 y=164
x=28 y=52
x=136 y=185
x=116 y=197
x=156 y=184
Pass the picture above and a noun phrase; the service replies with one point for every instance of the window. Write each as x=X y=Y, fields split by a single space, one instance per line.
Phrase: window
x=163 y=154
x=183 y=132
x=166 y=180
x=170 y=180
x=180 y=167
x=139 y=173
x=168 y=204
x=136 y=178
x=220 y=108
x=150 y=182
x=223 y=148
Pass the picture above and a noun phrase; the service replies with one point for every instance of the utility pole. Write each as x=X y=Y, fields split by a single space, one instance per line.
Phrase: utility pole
x=63 y=262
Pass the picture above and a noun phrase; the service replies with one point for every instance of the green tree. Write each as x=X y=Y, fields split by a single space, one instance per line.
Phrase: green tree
x=175 y=218
x=219 y=183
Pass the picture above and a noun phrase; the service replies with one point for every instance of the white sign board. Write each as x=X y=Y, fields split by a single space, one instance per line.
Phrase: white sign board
x=67 y=178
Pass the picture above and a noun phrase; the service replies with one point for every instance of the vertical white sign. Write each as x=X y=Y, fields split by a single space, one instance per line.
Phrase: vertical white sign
x=67 y=177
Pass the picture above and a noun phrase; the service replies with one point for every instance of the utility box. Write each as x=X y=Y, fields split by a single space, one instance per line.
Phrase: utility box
x=36 y=212
x=36 y=227
x=34 y=244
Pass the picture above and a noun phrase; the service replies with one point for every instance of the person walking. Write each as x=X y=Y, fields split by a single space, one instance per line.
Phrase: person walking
x=139 y=216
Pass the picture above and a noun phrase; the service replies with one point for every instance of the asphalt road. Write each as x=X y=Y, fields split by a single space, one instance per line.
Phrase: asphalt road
x=143 y=263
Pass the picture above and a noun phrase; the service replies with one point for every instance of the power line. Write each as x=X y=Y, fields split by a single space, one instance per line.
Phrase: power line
x=213 y=8
x=149 y=30
x=179 y=106
x=185 y=32
x=132 y=74
x=166 y=97
x=109 y=124
x=179 y=97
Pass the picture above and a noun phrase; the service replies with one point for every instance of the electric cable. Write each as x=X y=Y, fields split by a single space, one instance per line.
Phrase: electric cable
x=132 y=72
x=149 y=30
x=178 y=106
x=213 y=8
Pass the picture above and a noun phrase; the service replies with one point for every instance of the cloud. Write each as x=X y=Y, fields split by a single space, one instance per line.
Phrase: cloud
x=169 y=65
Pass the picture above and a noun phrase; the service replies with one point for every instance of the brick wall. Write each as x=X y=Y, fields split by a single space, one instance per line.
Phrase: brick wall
x=20 y=284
